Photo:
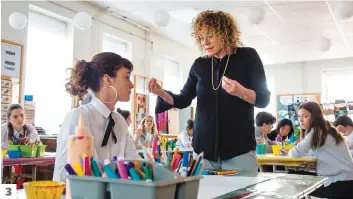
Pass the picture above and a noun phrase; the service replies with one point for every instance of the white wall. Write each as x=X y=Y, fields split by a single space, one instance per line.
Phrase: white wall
x=303 y=77
x=89 y=42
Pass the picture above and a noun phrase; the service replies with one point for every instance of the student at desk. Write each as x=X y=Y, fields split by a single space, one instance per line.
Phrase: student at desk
x=185 y=137
x=344 y=125
x=283 y=131
x=126 y=114
x=16 y=126
x=331 y=151
x=264 y=124
x=108 y=76
x=145 y=133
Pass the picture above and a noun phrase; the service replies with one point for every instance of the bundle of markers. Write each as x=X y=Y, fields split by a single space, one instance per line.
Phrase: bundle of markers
x=174 y=161
x=116 y=169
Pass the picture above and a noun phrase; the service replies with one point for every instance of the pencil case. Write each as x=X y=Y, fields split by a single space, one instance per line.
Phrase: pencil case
x=165 y=185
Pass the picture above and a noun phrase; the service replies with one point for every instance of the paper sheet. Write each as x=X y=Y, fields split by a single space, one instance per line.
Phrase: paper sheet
x=214 y=186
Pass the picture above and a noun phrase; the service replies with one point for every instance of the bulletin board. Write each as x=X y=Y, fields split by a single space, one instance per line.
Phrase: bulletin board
x=11 y=75
x=287 y=105
x=140 y=99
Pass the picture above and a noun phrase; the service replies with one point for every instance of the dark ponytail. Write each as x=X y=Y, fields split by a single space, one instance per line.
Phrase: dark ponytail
x=124 y=113
x=190 y=124
x=86 y=75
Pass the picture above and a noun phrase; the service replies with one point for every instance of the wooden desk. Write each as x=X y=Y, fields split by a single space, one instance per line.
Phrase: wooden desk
x=169 y=136
x=304 y=163
x=47 y=159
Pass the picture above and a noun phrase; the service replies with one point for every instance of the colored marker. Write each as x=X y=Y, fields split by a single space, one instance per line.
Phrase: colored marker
x=184 y=167
x=122 y=169
x=110 y=173
x=192 y=166
x=87 y=166
x=129 y=165
x=133 y=174
x=137 y=166
x=176 y=152
x=197 y=165
x=78 y=169
x=176 y=163
x=70 y=170
x=198 y=169
x=154 y=145
x=95 y=168
x=148 y=173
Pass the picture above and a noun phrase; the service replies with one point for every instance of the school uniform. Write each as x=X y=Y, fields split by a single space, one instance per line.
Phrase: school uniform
x=224 y=124
x=96 y=118
x=146 y=137
x=31 y=133
x=333 y=161
x=349 y=140
x=184 y=140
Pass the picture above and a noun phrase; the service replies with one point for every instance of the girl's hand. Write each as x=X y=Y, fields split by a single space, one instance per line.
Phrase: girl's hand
x=283 y=152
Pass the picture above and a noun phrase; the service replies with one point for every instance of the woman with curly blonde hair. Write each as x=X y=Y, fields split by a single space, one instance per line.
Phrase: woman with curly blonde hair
x=228 y=82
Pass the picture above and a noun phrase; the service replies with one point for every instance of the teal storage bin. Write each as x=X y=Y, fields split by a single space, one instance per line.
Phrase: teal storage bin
x=166 y=185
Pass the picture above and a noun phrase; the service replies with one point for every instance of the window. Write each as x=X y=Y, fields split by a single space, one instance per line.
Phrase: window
x=336 y=85
x=122 y=48
x=271 y=108
x=49 y=54
x=172 y=75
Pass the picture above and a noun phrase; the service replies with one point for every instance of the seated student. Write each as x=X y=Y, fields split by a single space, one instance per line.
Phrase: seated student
x=16 y=126
x=126 y=114
x=108 y=76
x=344 y=125
x=185 y=137
x=330 y=150
x=283 y=131
x=264 y=124
x=145 y=133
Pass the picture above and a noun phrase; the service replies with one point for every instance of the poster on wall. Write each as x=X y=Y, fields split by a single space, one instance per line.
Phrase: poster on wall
x=141 y=108
x=10 y=60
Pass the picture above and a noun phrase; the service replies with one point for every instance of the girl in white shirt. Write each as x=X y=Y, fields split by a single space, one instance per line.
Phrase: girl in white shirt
x=16 y=126
x=334 y=160
x=108 y=76
x=185 y=137
x=145 y=133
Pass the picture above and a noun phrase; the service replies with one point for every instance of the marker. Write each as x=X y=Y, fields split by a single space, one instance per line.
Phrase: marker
x=133 y=174
x=129 y=165
x=148 y=173
x=78 y=169
x=226 y=172
x=122 y=169
x=154 y=145
x=184 y=167
x=137 y=166
x=197 y=165
x=192 y=166
x=110 y=173
x=70 y=170
x=176 y=163
x=198 y=159
x=169 y=160
x=176 y=152
x=87 y=165
x=198 y=169
x=95 y=168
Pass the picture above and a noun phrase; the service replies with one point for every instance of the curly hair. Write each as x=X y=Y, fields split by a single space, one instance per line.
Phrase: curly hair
x=223 y=25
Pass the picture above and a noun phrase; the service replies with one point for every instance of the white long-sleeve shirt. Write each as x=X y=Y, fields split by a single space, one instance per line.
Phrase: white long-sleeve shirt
x=184 y=140
x=96 y=120
x=349 y=140
x=31 y=133
x=333 y=161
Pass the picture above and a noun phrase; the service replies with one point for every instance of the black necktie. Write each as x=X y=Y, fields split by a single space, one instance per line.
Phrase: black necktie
x=109 y=131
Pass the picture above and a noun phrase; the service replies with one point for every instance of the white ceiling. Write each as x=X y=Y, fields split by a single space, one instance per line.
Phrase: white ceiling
x=290 y=32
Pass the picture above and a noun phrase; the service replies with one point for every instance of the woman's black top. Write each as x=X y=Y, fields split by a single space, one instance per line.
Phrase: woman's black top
x=224 y=124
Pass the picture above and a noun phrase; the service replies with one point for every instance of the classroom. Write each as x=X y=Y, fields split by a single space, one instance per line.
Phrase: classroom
x=113 y=99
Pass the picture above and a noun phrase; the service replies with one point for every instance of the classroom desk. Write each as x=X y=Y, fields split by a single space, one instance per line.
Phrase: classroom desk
x=47 y=159
x=169 y=136
x=304 y=163
x=261 y=186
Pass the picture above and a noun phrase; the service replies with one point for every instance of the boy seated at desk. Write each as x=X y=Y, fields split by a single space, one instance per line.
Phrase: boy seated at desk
x=264 y=124
x=16 y=127
x=344 y=125
x=185 y=137
x=145 y=133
